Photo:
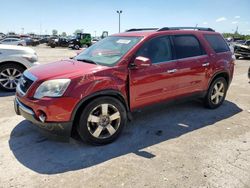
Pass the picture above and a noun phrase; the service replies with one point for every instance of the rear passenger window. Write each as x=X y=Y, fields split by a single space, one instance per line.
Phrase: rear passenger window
x=187 y=46
x=157 y=50
x=217 y=43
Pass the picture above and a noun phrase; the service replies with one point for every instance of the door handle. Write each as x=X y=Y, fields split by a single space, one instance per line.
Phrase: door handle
x=205 y=64
x=171 y=71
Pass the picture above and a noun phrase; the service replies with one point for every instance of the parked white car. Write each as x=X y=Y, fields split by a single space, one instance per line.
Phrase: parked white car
x=13 y=41
x=13 y=61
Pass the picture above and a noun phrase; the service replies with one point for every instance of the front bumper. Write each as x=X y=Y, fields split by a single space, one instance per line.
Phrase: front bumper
x=55 y=130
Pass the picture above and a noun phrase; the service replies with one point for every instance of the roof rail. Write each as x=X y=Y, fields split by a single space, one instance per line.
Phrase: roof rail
x=141 y=29
x=180 y=28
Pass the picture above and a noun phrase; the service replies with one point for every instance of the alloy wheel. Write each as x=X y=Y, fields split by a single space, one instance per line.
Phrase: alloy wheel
x=103 y=121
x=218 y=93
x=9 y=78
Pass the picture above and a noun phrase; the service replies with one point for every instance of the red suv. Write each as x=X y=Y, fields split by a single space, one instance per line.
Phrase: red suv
x=95 y=92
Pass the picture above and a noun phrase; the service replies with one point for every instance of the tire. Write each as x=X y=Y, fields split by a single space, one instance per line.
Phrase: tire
x=95 y=125
x=9 y=76
x=77 y=47
x=85 y=46
x=19 y=45
x=52 y=45
x=216 y=93
x=237 y=56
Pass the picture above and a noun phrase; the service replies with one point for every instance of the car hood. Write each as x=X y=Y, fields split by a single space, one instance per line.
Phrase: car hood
x=16 y=48
x=64 y=69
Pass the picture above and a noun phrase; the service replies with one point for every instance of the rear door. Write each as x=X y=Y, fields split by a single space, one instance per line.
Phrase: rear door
x=193 y=63
x=156 y=82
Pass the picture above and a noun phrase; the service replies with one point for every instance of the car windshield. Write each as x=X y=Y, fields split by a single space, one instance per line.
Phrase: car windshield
x=108 y=51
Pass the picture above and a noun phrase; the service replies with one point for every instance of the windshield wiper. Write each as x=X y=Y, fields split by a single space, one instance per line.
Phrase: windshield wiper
x=87 y=60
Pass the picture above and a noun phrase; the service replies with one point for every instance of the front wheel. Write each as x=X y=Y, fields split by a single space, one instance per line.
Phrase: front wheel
x=9 y=76
x=102 y=121
x=216 y=93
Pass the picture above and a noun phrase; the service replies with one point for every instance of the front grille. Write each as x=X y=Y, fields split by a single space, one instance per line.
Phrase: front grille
x=25 y=83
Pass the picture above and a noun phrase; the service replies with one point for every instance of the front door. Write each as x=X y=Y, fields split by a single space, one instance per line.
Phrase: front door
x=156 y=82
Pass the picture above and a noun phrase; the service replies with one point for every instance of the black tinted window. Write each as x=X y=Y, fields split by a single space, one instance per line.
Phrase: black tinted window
x=157 y=50
x=187 y=46
x=217 y=43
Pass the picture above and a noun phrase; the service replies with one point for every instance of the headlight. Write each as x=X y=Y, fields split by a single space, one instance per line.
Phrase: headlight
x=52 y=88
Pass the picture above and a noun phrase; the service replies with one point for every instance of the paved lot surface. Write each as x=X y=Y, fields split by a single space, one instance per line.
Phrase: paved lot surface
x=174 y=145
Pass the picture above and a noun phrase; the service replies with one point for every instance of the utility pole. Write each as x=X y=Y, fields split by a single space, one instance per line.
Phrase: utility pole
x=119 y=12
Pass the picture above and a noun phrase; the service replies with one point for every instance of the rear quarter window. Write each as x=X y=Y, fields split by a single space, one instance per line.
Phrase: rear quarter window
x=217 y=43
x=187 y=46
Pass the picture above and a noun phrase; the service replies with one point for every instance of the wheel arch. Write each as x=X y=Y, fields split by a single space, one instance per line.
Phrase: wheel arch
x=12 y=62
x=223 y=74
x=111 y=93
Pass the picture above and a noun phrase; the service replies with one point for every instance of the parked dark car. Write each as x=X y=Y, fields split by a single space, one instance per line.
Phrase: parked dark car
x=62 y=42
x=240 y=41
x=31 y=42
x=44 y=40
x=51 y=40
x=242 y=50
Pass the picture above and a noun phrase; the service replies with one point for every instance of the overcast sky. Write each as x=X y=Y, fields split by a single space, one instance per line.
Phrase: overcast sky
x=41 y=16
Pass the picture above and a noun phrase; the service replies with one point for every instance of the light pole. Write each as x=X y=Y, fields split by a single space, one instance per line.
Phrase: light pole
x=119 y=12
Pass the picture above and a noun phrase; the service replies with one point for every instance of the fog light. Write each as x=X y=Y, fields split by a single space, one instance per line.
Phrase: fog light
x=42 y=116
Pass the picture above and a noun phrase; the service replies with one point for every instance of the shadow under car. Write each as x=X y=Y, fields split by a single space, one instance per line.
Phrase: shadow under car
x=150 y=126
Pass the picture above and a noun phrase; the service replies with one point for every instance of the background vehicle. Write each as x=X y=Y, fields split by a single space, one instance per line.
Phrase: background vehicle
x=13 y=41
x=249 y=74
x=31 y=41
x=61 y=41
x=240 y=41
x=51 y=39
x=122 y=73
x=43 y=40
x=242 y=50
x=104 y=34
x=13 y=61
x=94 y=40
x=81 y=40
x=2 y=35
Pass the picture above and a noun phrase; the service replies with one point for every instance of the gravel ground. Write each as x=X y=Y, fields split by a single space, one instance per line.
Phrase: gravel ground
x=172 y=145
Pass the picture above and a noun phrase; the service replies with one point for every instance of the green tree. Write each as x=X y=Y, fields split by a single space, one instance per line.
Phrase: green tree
x=64 y=34
x=78 y=31
x=54 y=32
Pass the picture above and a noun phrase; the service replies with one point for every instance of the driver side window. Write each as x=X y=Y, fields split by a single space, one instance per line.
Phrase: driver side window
x=157 y=50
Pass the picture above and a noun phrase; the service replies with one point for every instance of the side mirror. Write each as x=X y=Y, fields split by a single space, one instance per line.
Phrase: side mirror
x=141 y=62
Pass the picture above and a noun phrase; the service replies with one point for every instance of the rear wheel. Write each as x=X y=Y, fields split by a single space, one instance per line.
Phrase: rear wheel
x=9 y=76
x=102 y=120
x=216 y=93
x=85 y=46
